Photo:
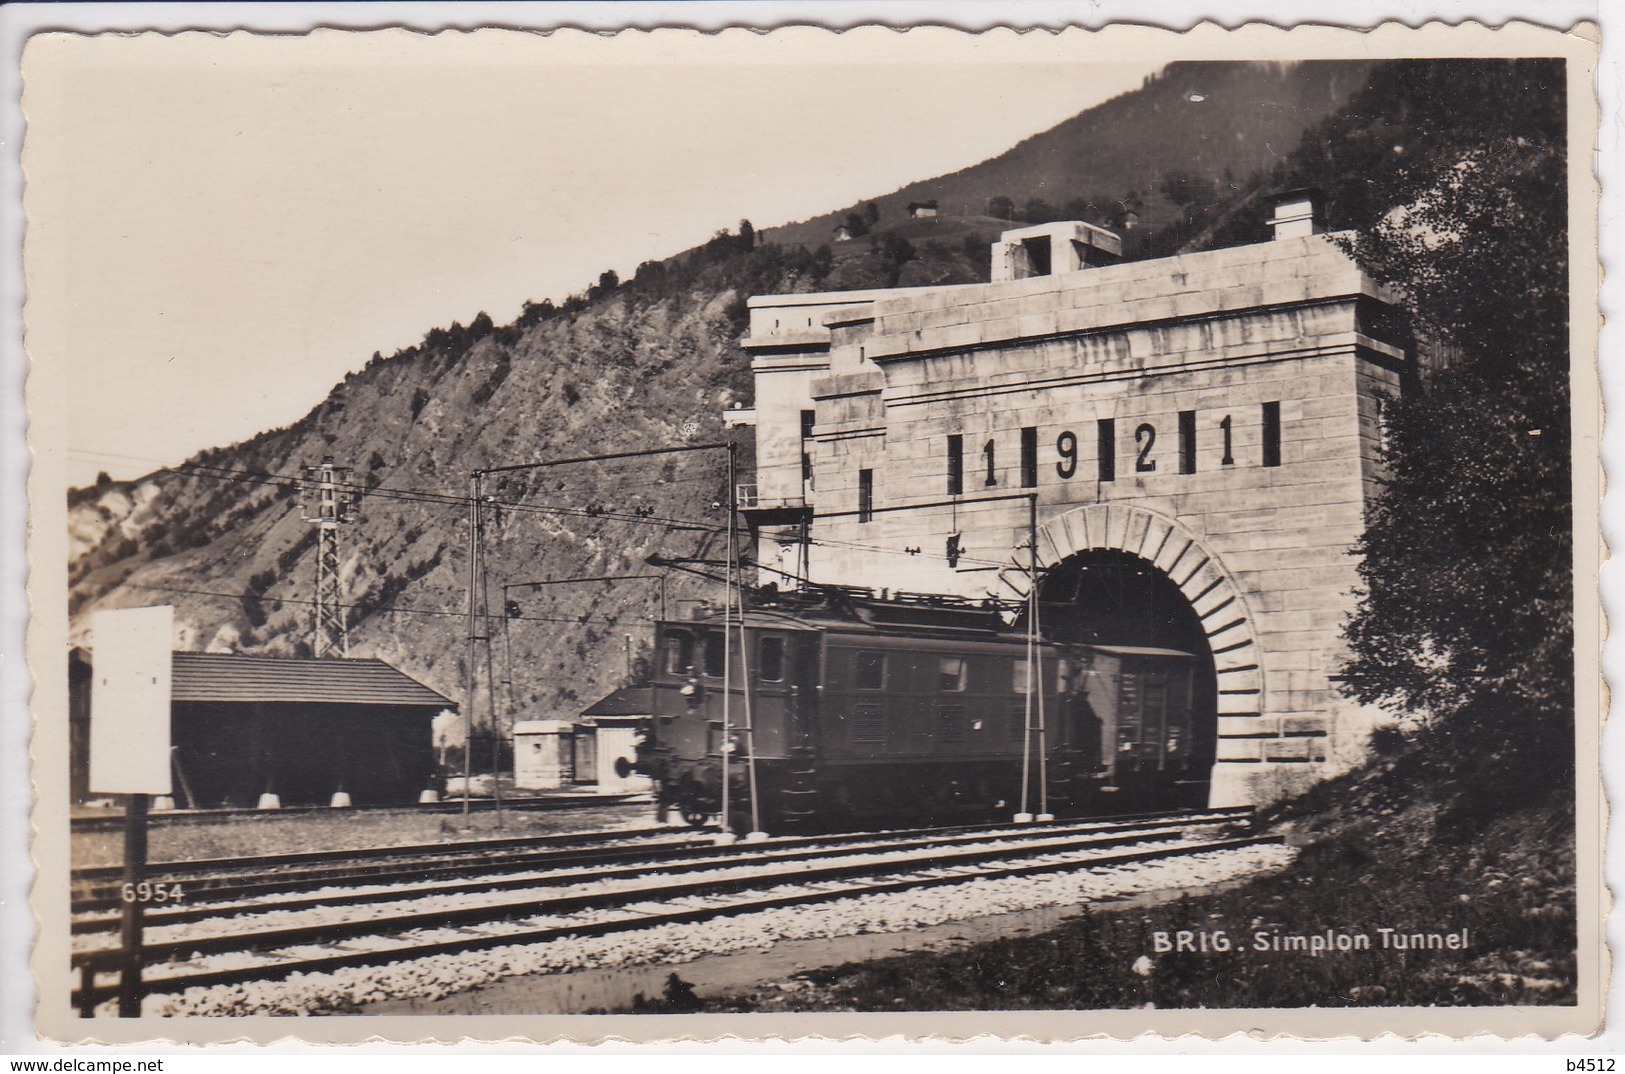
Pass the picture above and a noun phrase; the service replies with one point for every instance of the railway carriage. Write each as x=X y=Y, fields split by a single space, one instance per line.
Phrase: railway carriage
x=845 y=710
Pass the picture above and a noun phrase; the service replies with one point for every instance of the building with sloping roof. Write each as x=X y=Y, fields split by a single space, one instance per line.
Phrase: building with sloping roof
x=612 y=724
x=301 y=729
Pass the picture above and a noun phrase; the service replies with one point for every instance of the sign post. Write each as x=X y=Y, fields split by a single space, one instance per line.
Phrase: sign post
x=130 y=752
x=135 y=873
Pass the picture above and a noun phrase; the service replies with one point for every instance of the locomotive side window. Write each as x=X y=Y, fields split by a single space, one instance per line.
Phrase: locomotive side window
x=869 y=671
x=679 y=652
x=715 y=655
x=951 y=674
x=770 y=659
x=1018 y=675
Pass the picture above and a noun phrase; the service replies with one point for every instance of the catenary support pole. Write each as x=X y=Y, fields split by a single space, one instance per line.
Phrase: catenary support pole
x=1035 y=638
x=490 y=669
x=468 y=660
x=1035 y=677
x=725 y=748
x=746 y=679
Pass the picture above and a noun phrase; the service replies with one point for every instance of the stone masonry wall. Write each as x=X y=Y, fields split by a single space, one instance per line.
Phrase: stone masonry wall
x=1263 y=551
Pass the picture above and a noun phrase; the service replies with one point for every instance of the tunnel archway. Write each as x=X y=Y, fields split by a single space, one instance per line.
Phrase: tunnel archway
x=1106 y=597
x=1127 y=576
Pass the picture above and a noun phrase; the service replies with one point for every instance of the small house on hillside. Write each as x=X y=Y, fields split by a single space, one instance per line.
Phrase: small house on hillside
x=265 y=730
x=922 y=210
x=842 y=233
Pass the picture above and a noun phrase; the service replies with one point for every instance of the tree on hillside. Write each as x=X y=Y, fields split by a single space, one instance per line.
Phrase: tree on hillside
x=1467 y=612
x=1037 y=211
x=1189 y=191
x=1001 y=207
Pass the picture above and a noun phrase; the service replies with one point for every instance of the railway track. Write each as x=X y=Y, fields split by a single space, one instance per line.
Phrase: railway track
x=244 y=941
x=559 y=868
x=96 y=888
x=180 y=817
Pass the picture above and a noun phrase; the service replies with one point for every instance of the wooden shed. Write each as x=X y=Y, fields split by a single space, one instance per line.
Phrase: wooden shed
x=301 y=729
x=613 y=725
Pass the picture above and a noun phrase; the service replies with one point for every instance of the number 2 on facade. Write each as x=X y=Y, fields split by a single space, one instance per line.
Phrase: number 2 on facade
x=1145 y=436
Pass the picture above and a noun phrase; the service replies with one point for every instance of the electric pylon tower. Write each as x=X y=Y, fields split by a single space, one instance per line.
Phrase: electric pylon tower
x=327 y=502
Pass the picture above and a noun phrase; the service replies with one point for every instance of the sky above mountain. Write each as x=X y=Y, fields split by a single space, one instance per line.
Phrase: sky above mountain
x=221 y=228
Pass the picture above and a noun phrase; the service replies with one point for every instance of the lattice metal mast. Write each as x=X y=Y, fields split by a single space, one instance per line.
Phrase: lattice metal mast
x=328 y=502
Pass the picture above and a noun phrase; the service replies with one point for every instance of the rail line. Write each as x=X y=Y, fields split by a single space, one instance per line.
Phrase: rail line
x=221 y=879
x=566 y=868
x=748 y=879
x=168 y=818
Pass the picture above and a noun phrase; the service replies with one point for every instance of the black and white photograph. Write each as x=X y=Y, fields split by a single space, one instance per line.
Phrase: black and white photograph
x=670 y=534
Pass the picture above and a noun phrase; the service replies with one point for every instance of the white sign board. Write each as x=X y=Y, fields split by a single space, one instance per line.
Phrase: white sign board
x=129 y=700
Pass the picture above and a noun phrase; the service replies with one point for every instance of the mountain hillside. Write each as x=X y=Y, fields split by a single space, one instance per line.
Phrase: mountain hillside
x=222 y=538
x=1190 y=133
x=623 y=366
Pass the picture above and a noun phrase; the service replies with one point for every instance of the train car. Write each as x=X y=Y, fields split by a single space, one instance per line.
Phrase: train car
x=844 y=710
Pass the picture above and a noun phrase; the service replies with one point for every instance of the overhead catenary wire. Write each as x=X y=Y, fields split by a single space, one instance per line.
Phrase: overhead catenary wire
x=688 y=525
x=382 y=609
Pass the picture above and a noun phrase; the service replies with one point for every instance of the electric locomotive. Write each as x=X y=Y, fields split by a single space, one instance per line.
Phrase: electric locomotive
x=844 y=710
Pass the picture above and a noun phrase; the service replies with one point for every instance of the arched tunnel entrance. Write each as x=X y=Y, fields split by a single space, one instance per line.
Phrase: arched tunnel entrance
x=1110 y=598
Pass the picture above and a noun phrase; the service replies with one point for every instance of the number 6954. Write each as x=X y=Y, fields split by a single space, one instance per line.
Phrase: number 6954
x=146 y=892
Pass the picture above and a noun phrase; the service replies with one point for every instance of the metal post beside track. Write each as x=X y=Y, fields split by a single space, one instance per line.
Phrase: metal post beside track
x=135 y=872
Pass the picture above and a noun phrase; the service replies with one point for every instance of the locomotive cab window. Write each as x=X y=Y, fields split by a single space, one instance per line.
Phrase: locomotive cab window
x=951 y=674
x=1018 y=675
x=770 y=659
x=869 y=671
x=679 y=652
x=715 y=653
